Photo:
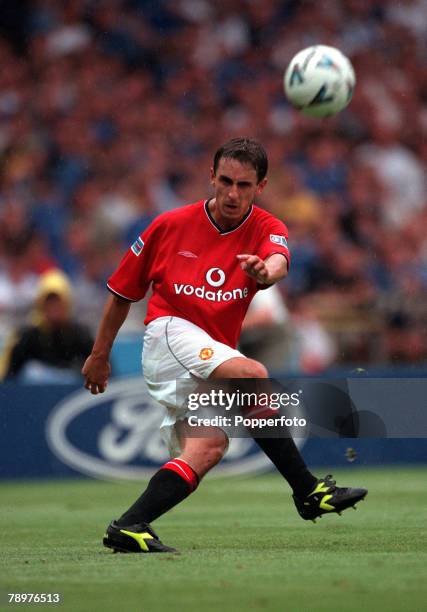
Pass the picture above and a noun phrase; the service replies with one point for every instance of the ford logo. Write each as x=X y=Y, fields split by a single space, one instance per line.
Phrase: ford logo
x=116 y=435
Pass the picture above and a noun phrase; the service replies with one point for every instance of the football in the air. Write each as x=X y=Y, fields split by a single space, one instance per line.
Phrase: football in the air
x=319 y=81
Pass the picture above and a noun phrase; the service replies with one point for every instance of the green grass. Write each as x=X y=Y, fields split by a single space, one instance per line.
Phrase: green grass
x=243 y=548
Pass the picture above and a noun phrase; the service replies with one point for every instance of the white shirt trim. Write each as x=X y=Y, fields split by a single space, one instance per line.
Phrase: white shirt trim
x=119 y=294
x=220 y=232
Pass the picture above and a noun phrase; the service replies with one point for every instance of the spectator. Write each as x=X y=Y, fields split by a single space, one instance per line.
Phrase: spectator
x=315 y=349
x=266 y=333
x=53 y=347
x=108 y=111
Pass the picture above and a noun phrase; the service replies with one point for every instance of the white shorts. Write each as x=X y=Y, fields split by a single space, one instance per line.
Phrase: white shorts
x=177 y=349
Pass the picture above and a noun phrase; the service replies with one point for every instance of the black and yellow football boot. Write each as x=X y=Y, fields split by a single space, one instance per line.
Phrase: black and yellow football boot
x=140 y=538
x=326 y=497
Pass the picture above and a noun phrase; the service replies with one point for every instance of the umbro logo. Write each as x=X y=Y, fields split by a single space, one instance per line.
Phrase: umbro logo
x=187 y=254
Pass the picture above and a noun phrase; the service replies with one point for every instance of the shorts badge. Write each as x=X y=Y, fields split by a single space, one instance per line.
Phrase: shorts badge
x=206 y=353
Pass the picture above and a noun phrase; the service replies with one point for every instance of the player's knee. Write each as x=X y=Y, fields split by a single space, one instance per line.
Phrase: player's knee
x=214 y=452
x=253 y=369
x=204 y=453
x=240 y=367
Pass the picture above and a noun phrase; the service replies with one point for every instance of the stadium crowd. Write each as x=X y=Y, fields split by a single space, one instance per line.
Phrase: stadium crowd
x=110 y=111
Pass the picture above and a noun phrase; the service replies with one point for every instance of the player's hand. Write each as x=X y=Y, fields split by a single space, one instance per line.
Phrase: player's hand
x=255 y=267
x=96 y=372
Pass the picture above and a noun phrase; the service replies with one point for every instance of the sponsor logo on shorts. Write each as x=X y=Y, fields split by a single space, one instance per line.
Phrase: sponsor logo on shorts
x=279 y=240
x=206 y=353
x=137 y=247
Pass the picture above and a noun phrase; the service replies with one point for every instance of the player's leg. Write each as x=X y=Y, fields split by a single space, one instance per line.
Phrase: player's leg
x=180 y=476
x=169 y=486
x=240 y=367
x=172 y=351
x=202 y=447
x=313 y=497
x=281 y=451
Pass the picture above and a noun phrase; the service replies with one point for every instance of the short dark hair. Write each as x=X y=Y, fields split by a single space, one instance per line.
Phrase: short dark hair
x=246 y=151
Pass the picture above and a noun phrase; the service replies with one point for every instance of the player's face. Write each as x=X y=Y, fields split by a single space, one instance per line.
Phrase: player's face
x=236 y=187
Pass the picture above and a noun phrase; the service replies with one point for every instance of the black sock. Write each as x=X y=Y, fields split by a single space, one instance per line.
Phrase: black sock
x=287 y=459
x=167 y=488
x=276 y=441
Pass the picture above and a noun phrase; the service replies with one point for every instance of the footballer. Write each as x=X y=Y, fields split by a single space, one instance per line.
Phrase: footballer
x=204 y=263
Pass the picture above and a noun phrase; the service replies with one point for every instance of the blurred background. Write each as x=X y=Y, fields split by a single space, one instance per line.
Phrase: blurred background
x=110 y=112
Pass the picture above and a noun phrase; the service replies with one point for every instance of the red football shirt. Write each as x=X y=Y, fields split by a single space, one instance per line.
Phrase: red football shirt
x=192 y=266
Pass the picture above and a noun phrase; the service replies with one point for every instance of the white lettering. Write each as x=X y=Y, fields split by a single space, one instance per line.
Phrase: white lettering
x=230 y=398
x=212 y=296
x=192 y=401
x=295 y=399
x=204 y=399
x=260 y=423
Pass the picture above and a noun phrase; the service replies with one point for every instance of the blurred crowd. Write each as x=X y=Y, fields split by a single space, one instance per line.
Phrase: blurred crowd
x=110 y=111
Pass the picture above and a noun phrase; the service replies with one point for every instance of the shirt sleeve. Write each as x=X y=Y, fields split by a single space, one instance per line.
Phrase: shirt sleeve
x=274 y=240
x=133 y=276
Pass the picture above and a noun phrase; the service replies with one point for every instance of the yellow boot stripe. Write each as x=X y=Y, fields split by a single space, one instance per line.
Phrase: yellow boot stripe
x=321 y=488
x=139 y=537
x=324 y=505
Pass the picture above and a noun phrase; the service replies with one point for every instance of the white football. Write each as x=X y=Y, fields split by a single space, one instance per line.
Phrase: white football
x=319 y=81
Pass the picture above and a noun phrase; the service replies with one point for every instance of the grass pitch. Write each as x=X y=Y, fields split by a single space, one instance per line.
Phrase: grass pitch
x=243 y=548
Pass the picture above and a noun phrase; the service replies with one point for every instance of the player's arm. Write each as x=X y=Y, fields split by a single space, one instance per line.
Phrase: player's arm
x=129 y=283
x=265 y=271
x=96 y=369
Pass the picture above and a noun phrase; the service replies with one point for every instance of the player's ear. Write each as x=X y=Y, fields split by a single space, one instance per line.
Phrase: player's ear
x=261 y=185
x=212 y=175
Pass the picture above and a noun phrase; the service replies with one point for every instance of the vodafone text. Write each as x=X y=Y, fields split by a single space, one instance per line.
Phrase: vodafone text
x=211 y=296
